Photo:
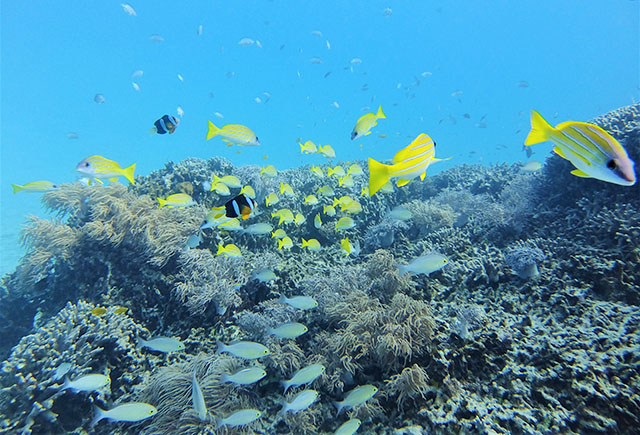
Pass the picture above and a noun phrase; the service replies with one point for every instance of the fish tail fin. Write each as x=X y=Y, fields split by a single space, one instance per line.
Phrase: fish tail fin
x=281 y=220
x=304 y=243
x=153 y=131
x=286 y=386
x=219 y=347
x=128 y=173
x=280 y=244
x=380 y=114
x=330 y=172
x=540 y=129
x=220 y=249
x=338 y=406
x=379 y=174
x=403 y=270
x=16 y=188
x=301 y=147
x=162 y=202
x=213 y=131
x=98 y=415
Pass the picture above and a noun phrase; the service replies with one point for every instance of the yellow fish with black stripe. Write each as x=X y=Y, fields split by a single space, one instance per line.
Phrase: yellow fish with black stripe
x=408 y=163
x=234 y=134
x=593 y=151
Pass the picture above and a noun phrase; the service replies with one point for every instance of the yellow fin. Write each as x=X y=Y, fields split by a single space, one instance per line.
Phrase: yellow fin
x=128 y=173
x=16 y=188
x=581 y=174
x=380 y=114
x=402 y=182
x=540 y=129
x=559 y=152
x=213 y=131
x=379 y=174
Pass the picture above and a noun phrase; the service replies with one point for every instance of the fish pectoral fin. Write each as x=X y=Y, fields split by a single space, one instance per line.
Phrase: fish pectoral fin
x=99 y=180
x=581 y=174
x=424 y=174
x=402 y=182
x=367 y=133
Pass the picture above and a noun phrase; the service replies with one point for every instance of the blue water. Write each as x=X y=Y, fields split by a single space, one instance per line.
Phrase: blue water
x=579 y=60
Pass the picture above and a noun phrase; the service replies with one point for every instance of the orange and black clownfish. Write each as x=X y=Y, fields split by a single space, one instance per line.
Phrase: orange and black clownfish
x=240 y=206
x=164 y=125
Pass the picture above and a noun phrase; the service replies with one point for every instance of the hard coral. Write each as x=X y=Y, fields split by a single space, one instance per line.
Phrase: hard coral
x=524 y=260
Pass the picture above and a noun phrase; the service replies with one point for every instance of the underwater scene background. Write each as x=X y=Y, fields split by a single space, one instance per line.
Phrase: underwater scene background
x=498 y=295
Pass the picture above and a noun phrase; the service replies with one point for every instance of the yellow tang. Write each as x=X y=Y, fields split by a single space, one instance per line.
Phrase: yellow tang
x=34 y=186
x=408 y=163
x=234 y=134
x=593 y=151
x=366 y=122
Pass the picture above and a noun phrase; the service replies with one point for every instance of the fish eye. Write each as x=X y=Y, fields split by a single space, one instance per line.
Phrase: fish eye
x=611 y=164
x=86 y=164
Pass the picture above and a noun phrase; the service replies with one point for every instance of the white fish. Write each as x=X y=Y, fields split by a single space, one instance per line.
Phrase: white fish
x=349 y=427
x=426 y=74
x=244 y=349
x=328 y=45
x=161 y=344
x=299 y=302
x=244 y=42
x=240 y=418
x=246 y=376
x=156 y=38
x=72 y=135
x=258 y=44
x=265 y=275
x=304 y=376
x=316 y=60
x=426 y=264
x=400 y=213
x=219 y=115
x=289 y=330
x=456 y=93
x=129 y=9
x=62 y=370
x=180 y=78
x=387 y=12
x=257 y=100
x=136 y=74
x=259 y=229
x=99 y=98
x=194 y=240
x=317 y=33
x=131 y=412
x=300 y=402
x=200 y=30
x=90 y=382
x=197 y=398
x=355 y=61
x=531 y=166
x=135 y=86
x=356 y=397
x=180 y=111
x=336 y=105
x=267 y=96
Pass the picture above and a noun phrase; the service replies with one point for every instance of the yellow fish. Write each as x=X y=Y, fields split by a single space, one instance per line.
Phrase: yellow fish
x=327 y=151
x=299 y=219
x=231 y=224
x=179 y=200
x=366 y=122
x=285 y=216
x=329 y=210
x=387 y=187
x=338 y=171
x=269 y=171
x=229 y=250
x=343 y=200
x=265 y=157
x=221 y=189
x=286 y=190
x=34 y=186
x=317 y=222
x=308 y=147
x=228 y=180
x=346 y=246
x=592 y=151
x=285 y=243
x=351 y=207
x=315 y=170
x=120 y=310
x=408 y=163
x=279 y=233
x=234 y=134
x=346 y=181
x=325 y=190
x=248 y=191
x=355 y=170
x=271 y=199
x=99 y=311
x=311 y=244
x=97 y=167
x=311 y=199
x=345 y=223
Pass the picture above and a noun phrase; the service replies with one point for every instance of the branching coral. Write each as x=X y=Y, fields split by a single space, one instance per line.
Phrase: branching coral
x=98 y=344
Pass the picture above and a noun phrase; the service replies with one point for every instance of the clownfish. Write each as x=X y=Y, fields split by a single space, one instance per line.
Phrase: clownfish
x=240 y=206
x=164 y=125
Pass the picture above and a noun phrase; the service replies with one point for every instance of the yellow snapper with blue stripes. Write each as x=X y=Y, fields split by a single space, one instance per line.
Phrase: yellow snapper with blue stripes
x=366 y=122
x=34 y=186
x=593 y=151
x=97 y=167
x=408 y=163
x=234 y=134
x=179 y=200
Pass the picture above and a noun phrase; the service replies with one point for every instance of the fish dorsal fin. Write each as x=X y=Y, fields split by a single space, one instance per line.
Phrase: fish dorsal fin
x=581 y=174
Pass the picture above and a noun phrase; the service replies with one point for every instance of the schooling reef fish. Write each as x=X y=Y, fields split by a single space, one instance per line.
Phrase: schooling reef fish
x=366 y=122
x=98 y=167
x=593 y=151
x=34 y=186
x=234 y=134
x=408 y=163
x=164 y=125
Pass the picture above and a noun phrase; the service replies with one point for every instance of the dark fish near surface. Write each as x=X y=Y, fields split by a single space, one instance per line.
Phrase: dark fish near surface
x=240 y=206
x=164 y=125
